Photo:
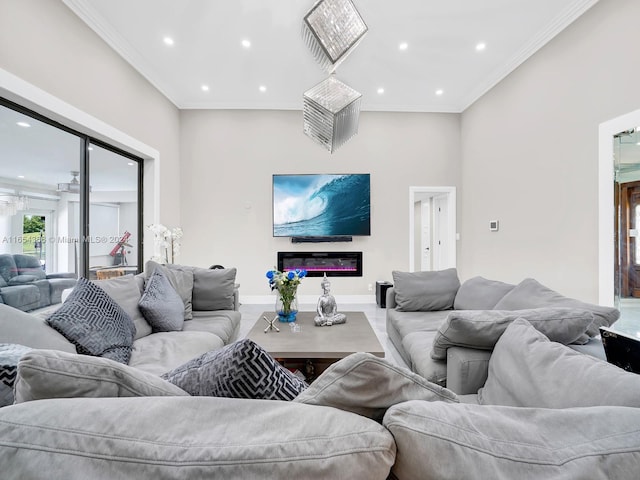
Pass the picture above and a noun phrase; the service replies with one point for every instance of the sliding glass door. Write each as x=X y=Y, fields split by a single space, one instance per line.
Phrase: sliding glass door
x=67 y=199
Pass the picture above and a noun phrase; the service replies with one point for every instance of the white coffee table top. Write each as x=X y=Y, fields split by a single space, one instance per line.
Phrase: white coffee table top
x=336 y=341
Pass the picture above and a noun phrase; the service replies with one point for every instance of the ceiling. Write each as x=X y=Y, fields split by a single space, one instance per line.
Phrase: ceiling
x=441 y=39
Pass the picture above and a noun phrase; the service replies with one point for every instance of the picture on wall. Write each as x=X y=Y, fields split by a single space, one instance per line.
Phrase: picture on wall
x=316 y=205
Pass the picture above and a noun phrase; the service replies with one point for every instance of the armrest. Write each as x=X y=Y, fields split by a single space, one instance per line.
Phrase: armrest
x=61 y=275
x=391 y=298
x=467 y=369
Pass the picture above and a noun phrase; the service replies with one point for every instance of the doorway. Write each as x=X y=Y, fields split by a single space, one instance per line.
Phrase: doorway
x=432 y=228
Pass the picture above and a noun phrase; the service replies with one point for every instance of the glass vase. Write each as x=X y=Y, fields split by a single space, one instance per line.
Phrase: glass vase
x=287 y=306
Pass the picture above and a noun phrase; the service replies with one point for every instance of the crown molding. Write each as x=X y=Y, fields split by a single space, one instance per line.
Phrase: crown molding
x=544 y=36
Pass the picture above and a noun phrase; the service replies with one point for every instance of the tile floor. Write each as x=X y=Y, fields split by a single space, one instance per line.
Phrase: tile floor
x=375 y=314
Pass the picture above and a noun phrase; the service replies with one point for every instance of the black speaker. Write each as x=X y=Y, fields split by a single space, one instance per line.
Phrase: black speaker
x=381 y=293
x=327 y=239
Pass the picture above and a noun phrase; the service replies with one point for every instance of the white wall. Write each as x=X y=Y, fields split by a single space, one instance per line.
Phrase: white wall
x=45 y=44
x=228 y=158
x=530 y=154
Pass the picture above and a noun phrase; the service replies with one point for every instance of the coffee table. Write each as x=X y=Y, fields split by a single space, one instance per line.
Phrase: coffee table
x=312 y=349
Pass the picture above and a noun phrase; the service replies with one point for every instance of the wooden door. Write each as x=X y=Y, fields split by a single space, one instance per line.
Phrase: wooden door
x=630 y=239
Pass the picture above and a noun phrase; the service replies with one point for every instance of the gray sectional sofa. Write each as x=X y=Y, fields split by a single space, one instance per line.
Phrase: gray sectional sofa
x=420 y=303
x=25 y=286
x=544 y=411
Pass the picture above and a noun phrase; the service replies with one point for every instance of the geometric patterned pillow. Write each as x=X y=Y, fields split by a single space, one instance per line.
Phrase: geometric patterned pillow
x=10 y=355
x=95 y=323
x=161 y=305
x=239 y=370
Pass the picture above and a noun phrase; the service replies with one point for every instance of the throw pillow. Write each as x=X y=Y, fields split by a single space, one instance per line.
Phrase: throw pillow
x=213 y=289
x=10 y=355
x=367 y=385
x=478 y=293
x=482 y=328
x=181 y=280
x=454 y=441
x=161 y=305
x=125 y=292
x=425 y=291
x=52 y=374
x=528 y=370
x=94 y=323
x=239 y=370
x=531 y=294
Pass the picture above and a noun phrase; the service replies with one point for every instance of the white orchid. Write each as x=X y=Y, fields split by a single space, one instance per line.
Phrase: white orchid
x=165 y=240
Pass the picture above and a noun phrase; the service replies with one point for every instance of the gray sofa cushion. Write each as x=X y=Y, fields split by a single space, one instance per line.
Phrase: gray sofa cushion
x=30 y=330
x=223 y=323
x=527 y=370
x=10 y=355
x=213 y=289
x=125 y=292
x=22 y=279
x=181 y=280
x=191 y=438
x=367 y=385
x=532 y=294
x=161 y=305
x=29 y=265
x=482 y=328
x=425 y=291
x=240 y=370
x=94 y=323
x=164 y=351
x=52 y=374
x=438 y=440
x=478 y=293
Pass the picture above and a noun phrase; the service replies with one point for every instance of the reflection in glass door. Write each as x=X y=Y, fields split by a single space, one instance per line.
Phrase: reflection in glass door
x=113 y=213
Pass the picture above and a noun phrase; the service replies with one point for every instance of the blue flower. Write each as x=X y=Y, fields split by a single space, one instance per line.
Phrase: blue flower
x=270 y=274
x=302 y=273
x=291 y=275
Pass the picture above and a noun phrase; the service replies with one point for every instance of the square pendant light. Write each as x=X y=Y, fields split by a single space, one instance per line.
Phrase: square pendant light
x=331 y=110
x=331 y=30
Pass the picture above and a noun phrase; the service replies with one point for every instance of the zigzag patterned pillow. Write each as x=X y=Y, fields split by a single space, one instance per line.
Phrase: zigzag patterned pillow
x=239 y=370
x=95 y=323
x=10 y=355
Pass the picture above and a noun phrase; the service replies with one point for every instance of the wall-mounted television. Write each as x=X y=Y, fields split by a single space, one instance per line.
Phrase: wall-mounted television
x=318 y=205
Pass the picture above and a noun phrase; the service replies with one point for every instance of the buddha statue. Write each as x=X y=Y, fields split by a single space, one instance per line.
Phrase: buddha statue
x=327 y=309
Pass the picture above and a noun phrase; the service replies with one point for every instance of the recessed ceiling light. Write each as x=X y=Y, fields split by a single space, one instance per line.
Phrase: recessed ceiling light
x=20 y=176
x=205 y=88
x=262 y=88
x=90 y=149
x=481 y=46
x=131 y=164
x=246 y=43
x=380 y=91
x=168 y=41
x=403 y=46
x=23 y=124
x=439 y=91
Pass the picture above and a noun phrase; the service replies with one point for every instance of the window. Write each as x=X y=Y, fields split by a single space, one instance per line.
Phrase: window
x=70 y=200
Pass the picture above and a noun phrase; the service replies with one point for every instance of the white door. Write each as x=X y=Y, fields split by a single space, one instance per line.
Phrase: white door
x=440 y=228
x=425 y=235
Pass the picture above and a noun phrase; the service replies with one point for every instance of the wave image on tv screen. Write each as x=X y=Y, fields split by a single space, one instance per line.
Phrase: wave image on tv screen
x=321 y=205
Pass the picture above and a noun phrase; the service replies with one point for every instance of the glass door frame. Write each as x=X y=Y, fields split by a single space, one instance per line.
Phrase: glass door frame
x=84 y=157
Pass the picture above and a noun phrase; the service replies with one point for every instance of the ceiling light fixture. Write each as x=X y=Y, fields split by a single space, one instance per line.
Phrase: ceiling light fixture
x=205 y=88
x=262 y=88
x=73 y=186
x=439 y=91
x=168 y=41
x=246 y=43
x=380 y=91
x=481 y=46
x=23 y=124
x=403 y=46
x=332 y=29
x=11 y=204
